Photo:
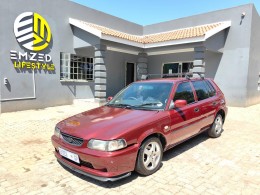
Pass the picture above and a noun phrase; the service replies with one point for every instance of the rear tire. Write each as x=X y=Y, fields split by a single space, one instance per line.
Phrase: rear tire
x=149 y=157
x=217 y=127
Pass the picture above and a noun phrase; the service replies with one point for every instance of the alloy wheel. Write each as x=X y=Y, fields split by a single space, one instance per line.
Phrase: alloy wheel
x=218 y=124
x=151 y=155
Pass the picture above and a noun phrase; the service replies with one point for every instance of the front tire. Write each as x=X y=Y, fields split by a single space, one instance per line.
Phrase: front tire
x=149 y=157
x=217 y=127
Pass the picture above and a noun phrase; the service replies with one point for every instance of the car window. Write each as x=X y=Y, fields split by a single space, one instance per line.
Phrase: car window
x=212 y=91
x=184 y=92
x=202 y=90
x=143 y=95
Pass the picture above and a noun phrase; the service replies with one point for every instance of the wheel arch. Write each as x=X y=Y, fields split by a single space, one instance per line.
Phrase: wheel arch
x=222 y=113
x=139 y=166
x=160 y=136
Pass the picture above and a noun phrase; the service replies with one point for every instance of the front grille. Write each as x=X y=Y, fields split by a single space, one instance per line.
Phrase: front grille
x=72 y=140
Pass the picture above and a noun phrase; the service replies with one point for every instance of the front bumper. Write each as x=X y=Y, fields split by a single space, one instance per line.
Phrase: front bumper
x=94 y=176
x=103 y=166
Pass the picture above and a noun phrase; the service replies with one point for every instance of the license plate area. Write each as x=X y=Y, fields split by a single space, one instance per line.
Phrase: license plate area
x=69 y=155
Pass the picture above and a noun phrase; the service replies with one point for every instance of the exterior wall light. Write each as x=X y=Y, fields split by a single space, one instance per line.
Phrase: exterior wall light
x=243 y=14
x=5 y=81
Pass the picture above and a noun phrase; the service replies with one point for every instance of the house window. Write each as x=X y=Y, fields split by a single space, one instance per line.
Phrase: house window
x=74 y=67
x=177 y=68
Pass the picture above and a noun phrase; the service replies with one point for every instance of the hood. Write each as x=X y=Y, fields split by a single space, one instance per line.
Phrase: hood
x=105 y=122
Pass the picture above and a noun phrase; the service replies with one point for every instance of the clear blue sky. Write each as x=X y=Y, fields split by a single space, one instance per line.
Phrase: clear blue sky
x=146 y=12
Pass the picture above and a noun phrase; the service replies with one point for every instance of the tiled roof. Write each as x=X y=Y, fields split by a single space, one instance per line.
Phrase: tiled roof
x=196 y=31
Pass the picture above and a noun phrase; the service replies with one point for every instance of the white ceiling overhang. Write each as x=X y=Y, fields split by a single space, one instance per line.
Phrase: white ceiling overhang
x=98 y=33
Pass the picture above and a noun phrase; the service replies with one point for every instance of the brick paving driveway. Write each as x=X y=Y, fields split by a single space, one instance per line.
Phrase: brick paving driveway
x=226 y=165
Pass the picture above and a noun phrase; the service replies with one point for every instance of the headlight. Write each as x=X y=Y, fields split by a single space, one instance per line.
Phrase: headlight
x=107 y=145
x=57 y=132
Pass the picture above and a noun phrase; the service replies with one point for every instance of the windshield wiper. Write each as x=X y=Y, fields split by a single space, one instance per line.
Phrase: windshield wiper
x=149 y=104
x=120 y=105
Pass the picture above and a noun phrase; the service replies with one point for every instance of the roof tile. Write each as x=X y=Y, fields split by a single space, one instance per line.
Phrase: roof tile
x=184 y=33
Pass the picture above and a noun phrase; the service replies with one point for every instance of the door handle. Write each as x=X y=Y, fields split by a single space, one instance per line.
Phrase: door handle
x=196 y=109
x=214 y=103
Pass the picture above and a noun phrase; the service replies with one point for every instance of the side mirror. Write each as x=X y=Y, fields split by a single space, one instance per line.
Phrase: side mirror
x=180 y=103
x=109 y=98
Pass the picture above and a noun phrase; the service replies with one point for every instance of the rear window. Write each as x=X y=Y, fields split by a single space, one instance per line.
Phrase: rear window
x=212 y=91
x=202 y=89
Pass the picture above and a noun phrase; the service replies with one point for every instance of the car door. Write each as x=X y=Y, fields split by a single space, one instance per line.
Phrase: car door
x=185 y=120
x=207 y=102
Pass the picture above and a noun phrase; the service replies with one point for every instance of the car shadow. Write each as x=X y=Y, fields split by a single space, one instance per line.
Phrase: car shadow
x=175 y=151
x=183 y=147
x=107 y=184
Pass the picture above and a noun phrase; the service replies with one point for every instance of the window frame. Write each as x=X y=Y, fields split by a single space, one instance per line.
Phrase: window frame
x=211 y=88
x=71 y=73
x=180 y=67
x=192 y=89
x=206 y=86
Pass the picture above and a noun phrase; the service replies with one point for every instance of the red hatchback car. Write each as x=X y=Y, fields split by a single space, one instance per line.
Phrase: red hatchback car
x=132 y=130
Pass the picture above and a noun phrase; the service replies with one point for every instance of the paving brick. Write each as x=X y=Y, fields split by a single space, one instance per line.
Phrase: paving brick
x=227 y=165
x=2 y=190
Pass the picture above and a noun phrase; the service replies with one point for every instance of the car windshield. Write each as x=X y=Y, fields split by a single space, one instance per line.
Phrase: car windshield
x=146 y=96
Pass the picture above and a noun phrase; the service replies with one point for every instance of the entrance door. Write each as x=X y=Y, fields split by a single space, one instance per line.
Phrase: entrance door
x=130 y=73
